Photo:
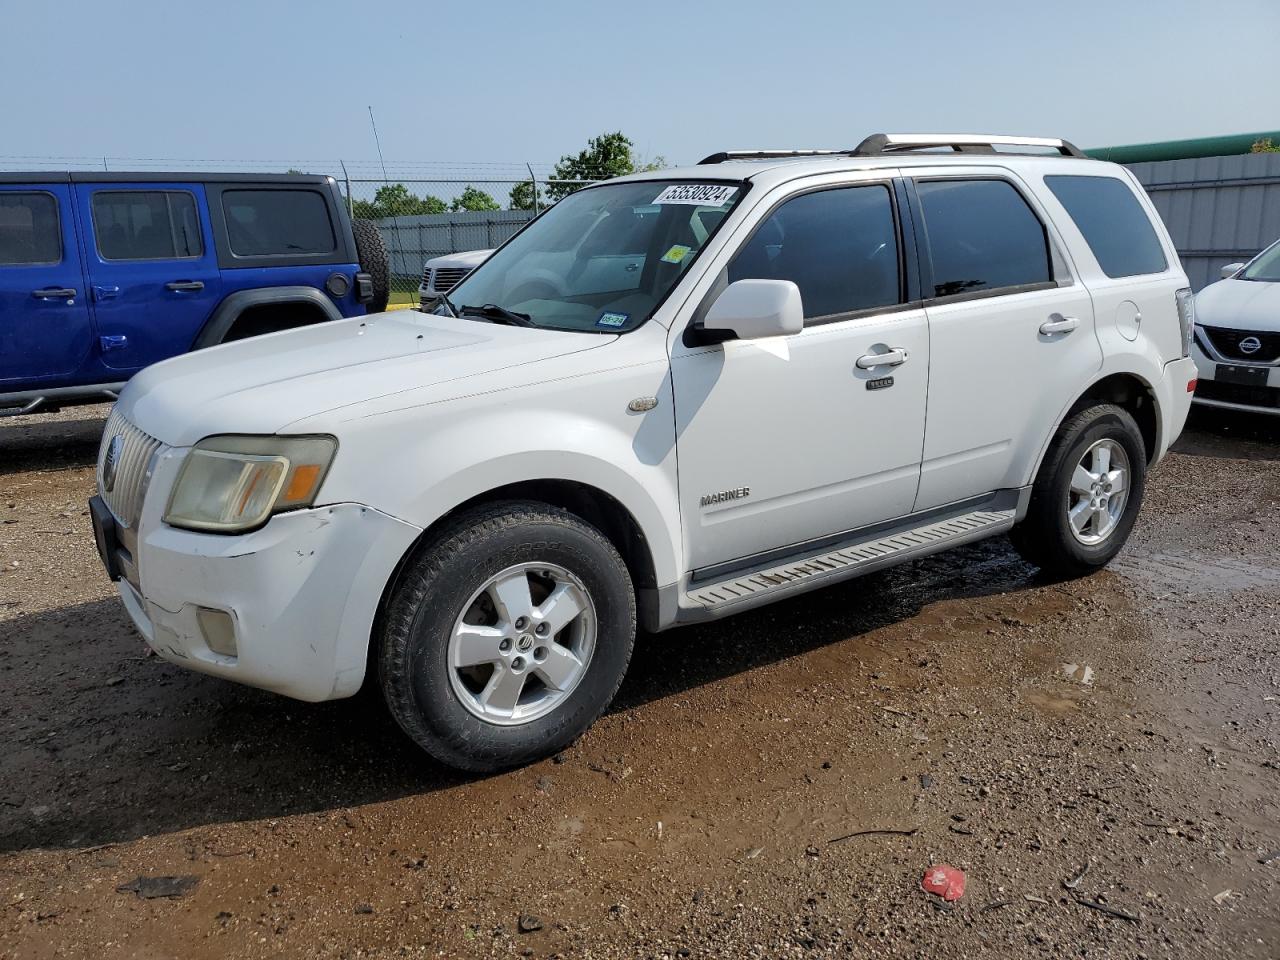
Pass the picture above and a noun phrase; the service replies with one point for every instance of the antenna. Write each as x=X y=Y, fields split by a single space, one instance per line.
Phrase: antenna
x=395 y=218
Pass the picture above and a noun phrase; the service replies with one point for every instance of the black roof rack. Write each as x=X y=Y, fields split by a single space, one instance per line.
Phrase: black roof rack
x=726 y=155
x=879 y=144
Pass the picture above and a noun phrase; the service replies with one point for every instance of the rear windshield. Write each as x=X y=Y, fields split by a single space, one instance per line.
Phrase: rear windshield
x=1113 y=223
x=602 y=259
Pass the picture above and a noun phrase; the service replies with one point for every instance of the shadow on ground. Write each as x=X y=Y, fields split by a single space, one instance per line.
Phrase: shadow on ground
x=104 y=744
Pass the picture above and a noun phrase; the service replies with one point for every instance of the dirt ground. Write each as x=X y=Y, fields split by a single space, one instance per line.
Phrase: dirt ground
x=1019 y=730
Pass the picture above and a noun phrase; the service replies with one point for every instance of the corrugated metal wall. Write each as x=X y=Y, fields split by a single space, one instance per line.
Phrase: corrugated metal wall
x=413 y=240
x=1218 y=209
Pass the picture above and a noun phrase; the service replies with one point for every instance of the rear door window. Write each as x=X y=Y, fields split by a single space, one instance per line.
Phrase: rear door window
x=277 y=223
x=840 y=247
x=146 y=225
x=982 y=235
x=29 y=229
x=1113 y=222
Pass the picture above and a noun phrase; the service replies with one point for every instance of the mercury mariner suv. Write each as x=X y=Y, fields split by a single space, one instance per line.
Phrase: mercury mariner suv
x=821 y=364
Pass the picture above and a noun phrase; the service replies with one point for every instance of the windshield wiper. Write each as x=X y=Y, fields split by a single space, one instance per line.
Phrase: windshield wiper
x=453 y=312
x=496 y=314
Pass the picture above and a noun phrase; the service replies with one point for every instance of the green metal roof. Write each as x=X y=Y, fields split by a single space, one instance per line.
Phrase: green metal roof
x=1226 y=146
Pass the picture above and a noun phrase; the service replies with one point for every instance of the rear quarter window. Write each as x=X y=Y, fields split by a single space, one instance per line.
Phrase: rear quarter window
x=1113 y=222
x=277 y=223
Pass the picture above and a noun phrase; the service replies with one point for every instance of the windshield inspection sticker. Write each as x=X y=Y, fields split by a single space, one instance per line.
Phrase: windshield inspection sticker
x=613 y=320
x=676 y=253
x=697 y=194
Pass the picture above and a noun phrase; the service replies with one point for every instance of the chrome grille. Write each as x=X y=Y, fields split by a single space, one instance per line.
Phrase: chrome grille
x=446 y=278
x=131 y=469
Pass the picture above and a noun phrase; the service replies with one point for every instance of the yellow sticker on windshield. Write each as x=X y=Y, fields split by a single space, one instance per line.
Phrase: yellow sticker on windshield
x=676 y=254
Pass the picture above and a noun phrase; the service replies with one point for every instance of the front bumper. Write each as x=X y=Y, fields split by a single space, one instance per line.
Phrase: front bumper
x=1263 y=397
x=299 y=596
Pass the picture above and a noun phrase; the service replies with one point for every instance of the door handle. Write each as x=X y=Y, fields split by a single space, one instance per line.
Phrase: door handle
x=1057 y=323
x=113 y=341
x=892 y=358
x=104 y=293
x=185 y=285
x=54 y=293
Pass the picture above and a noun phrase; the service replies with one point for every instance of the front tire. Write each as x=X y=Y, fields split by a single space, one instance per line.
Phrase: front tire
x=1086 y=497
x=507 y=636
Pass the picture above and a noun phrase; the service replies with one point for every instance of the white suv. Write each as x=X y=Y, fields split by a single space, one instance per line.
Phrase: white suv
x=825 y=364
x=442 y=274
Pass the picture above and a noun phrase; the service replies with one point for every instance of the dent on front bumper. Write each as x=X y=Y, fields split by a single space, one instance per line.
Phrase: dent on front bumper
x=302 y=594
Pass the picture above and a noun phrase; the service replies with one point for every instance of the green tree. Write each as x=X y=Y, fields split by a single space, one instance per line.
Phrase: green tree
x=522 y=197
x=473 y=199
x=606 y=156
x=395 y=200
x=1265 y=145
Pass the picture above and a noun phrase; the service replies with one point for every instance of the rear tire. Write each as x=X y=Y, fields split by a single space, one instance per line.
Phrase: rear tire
x=483 y=680
x=374 y=260
x=1086 y=497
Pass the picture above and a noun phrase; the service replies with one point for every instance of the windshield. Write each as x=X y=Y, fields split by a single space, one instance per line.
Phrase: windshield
x=1265 y=266
x=600 y=260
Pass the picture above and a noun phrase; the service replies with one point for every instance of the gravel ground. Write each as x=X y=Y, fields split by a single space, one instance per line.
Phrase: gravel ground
x=1020 y=730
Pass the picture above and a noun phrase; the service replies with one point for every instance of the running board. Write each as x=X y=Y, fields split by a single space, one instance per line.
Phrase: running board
x=750 y=588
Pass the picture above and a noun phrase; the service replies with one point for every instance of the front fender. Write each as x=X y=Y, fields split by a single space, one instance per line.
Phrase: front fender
x=418 y=465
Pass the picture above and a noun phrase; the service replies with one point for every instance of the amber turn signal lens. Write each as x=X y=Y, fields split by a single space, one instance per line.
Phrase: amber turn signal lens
x=302 y=483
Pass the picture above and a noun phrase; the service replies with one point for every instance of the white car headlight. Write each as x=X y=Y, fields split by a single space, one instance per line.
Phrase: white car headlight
x=232 y=484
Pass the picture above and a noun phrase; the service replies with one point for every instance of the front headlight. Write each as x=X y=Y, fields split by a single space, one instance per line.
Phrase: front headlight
x=232 y=484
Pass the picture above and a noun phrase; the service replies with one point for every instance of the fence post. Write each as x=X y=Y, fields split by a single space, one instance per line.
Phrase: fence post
x=533 y=181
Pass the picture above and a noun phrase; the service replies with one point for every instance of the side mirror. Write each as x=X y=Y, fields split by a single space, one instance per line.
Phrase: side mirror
x=1231 y=269
x=754 y=309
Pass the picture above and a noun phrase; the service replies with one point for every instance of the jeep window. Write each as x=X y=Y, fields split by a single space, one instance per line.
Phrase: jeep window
x=146 y=225
x=278 y=223
x=602 y=259
x=982 y=236
x=1113 y=223
x=840 y=247
x=29 y=231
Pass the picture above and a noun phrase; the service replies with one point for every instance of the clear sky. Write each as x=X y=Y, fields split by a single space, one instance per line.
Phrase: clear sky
x=474 y=81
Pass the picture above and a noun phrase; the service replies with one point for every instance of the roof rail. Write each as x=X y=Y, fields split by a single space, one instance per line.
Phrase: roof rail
x=726 y=155
x=879 y=144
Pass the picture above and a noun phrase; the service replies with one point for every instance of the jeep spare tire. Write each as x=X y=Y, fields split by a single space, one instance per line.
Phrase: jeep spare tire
x=371 y=251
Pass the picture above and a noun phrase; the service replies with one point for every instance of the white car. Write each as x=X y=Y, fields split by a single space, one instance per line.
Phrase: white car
x=1237 y=336
x=825 y=363
x=442 y=274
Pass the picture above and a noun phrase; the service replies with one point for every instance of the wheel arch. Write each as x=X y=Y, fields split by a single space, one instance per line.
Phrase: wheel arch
x=233 y=306
x=1126 y=389
x=586 y=501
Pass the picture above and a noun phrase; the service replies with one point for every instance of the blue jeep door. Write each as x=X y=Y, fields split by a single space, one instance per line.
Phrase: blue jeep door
x=45 y=331
x=152 y=268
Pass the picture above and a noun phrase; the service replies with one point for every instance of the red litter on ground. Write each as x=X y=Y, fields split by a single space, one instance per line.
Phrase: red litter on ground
x=946 y=881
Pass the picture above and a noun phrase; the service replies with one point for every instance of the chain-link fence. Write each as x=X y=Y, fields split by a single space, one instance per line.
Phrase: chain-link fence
x=421 y=219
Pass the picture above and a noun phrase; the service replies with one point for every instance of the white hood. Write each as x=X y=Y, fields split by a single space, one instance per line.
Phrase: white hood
x=262 y=384
x=1240 y=305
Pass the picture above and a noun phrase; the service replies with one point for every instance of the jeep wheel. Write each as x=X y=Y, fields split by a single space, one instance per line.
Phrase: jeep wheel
x=372 y=254
x=507 y=636
x=1087 y=495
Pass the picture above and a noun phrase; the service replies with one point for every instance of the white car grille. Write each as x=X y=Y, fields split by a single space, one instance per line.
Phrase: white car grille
x=130 y=469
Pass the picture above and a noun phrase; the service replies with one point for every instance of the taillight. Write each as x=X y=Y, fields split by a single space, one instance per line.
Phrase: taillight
x=1186 y=317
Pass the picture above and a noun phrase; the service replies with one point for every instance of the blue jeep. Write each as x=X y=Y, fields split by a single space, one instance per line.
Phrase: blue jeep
x=102 y=274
